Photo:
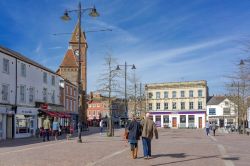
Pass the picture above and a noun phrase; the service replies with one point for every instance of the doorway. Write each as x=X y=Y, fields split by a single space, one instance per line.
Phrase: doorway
x=200 y=122
x=174 y=122
x=9 y=127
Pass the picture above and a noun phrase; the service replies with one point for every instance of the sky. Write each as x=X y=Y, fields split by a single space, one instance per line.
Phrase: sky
x=167 y=40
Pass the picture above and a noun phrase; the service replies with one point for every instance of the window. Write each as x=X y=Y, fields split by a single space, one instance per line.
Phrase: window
x=6 y=65
x=226 y=111
x=53 y=80
x=66 y=104
x=45 y=78
x=226 y=103
x=158 y=106
x=190 y=118
x=165 y=94
x=23 y=70
x=199 y=93
x=212 y=111
x=183 y=105
x=174 y=94
x=174 y=105
x=199 y=104
x=182 y=118
x=74 y=91
x=67 y=92
x=5 y=92
x=73 y=106
x=158 y=95
x=150 y=95
x=165 y=106
x=191 y=105
x=53 y=97
x=70 y=105
x=22 y=93
x=45 y=94
x=31 y=94
x=94 y=113
x=165 y=119
x=191 y=93
x=182 y=93
x=70 y=90
x=150 y=106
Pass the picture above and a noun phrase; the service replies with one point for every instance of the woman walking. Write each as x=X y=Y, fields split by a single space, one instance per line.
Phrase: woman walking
x=55 y=128
x=134 y=134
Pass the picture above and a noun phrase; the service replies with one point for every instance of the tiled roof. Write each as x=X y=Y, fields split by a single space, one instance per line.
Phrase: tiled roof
x=21 y=57
x=215 y=100
x=69 y=59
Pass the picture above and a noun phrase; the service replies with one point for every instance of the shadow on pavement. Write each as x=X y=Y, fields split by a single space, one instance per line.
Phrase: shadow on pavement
x=231 y=158
x=34 y=140
x=174 y=155
x=186 y=160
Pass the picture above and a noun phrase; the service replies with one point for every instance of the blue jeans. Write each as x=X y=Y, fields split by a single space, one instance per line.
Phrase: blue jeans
x=46 y=134
x=146 y=142
x=207 y=130
x=101 y=129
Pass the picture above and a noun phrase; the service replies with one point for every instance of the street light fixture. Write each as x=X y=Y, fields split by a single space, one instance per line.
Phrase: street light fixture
x=82 y=93
x=125 y=100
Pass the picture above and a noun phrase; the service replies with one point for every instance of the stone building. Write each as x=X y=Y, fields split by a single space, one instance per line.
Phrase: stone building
x=177 y=104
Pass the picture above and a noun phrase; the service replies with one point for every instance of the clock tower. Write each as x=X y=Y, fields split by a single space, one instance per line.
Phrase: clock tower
x=69 y=66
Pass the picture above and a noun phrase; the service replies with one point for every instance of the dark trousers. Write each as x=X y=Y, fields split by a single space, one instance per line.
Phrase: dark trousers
x=146 y=142
x=46 y=134
x=214 y=132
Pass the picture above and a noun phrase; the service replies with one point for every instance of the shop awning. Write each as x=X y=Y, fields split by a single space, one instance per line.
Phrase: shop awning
x=63 y=115
x=49 y=113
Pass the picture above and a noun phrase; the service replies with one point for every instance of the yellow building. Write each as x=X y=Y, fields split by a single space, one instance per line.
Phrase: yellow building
x=177 y=104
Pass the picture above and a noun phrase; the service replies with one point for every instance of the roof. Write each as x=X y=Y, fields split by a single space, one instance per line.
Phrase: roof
x=74 y=37
x=21 y=57
x=215 y=100
x=69 y=59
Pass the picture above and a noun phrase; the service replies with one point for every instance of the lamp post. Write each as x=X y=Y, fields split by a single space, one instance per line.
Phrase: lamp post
x=125 y=100
x=81 y=93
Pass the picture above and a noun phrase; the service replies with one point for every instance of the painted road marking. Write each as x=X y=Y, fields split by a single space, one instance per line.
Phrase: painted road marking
x=106 y=157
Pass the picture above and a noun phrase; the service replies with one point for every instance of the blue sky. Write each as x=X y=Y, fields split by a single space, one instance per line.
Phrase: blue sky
x=167 y=40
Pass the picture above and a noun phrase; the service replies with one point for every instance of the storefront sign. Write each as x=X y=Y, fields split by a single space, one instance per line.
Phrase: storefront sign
x=27 y=111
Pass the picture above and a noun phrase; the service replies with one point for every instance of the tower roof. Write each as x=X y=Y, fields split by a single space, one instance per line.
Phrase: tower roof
x=74 y=37
x=69 y=59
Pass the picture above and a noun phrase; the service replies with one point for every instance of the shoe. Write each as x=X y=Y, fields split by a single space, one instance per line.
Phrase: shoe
x=150 y=157
x=145 y=158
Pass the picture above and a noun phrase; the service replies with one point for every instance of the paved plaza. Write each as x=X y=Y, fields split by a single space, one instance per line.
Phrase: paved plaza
x=182 y=147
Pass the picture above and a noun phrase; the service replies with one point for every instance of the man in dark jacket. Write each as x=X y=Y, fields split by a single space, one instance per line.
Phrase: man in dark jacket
x=148 y=131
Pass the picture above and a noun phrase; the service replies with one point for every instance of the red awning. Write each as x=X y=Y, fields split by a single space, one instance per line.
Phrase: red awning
x=50 y=113
x=63 y=115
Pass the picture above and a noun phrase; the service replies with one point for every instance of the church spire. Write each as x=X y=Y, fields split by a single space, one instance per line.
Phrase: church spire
x=74 y=37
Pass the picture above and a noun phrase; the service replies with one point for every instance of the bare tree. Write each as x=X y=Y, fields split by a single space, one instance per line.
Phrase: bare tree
x=108 y=85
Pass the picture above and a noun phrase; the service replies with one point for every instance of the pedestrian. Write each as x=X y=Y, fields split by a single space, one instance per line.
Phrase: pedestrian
x=148 y=131
x=207 y=127
x=101 y=126
x=134 y=133
x=46 y=126
x=214 y=127
x=55 y=128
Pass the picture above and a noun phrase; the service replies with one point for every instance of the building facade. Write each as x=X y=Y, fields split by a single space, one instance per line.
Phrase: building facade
x=177 y=104
x=222 y=111
x=24 y=83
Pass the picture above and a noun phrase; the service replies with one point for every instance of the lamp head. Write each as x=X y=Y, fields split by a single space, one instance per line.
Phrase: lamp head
x=242 y=62
x=94 y=12
x=118 y=67
x=66 y=16
x=133 y=67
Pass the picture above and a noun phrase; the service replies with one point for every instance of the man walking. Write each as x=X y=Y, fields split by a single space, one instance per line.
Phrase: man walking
x=207 y=127
x=214 y=127
x=46 y=126
x=148 y=131
x=101 y=126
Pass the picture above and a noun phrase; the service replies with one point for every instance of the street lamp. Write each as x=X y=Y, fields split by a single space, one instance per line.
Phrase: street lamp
x=66 y=17
x=133 y=68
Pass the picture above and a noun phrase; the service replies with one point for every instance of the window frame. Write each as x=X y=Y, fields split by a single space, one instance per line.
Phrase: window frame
x=7 y=71
x=23 y=69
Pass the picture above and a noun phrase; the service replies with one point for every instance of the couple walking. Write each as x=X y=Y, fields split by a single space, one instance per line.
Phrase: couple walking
x=146 y=129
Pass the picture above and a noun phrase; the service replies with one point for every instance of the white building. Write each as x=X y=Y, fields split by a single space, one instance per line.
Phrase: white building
x=23 y=84
x=222 y=111
x=177 y=104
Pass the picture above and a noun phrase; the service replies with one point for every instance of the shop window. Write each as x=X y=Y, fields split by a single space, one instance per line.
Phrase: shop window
x=24 y=124
x=191 y=121
x=165 y=119
x=183 y=118
x=1 y=125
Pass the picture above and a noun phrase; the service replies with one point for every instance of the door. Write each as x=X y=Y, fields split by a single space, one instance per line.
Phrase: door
x=200 y=122
x=174 y=122
x=9 y=127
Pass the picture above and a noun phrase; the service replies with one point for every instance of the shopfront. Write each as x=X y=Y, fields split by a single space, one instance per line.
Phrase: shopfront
x=2 y=123
x=25 y=122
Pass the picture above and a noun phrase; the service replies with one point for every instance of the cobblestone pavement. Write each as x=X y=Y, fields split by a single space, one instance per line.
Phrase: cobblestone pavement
x=180 y=147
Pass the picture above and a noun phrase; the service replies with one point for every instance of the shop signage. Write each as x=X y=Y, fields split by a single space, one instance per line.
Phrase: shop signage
x=26 y=111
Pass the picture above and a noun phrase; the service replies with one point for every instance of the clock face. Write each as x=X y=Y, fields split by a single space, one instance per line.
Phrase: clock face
x=76 y=52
